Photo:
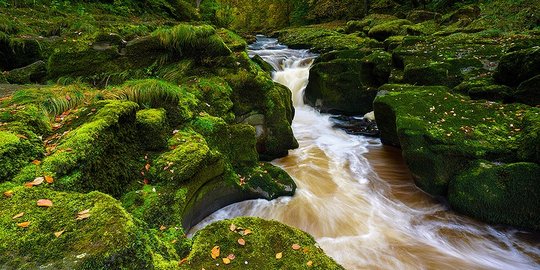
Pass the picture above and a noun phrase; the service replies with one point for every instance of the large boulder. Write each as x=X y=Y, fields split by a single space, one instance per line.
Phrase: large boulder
x=385 y=30
x=347 y=81
x=499 y=193
x=32 y=73
x=518 y=66
x=102 y=235
x=528 y=92
x=443 y=134
x=268 y=245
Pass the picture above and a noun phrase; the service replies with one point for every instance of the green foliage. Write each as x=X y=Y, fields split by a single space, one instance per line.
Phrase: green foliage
x=195 y=41
x=153 y=129
x=54 y=99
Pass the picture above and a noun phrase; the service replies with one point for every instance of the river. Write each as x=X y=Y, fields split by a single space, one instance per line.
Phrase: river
x=357 y=198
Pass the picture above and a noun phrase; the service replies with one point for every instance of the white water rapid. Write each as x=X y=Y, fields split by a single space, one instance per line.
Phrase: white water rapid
x=357 y=199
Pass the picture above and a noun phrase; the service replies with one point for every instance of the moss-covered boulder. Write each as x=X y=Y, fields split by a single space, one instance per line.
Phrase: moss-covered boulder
x=528 y=91
x=265 y=245
x=419 y=16
x=32 y=73
x=347 y=81
x=442 y=134
x=385 y=30
x=518 y=66
x=153 y=128
x=101 y=149
x=499 y=193
x=16 y=151
x=78 y=231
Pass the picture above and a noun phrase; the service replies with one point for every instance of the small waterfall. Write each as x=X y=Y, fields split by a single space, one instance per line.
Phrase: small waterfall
x=362 y=220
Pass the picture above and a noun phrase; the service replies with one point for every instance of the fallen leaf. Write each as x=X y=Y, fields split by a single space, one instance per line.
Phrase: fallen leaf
x=22 y=136
x=8 y=194
x=242 y=242
x=279 y=255
x=184 y=260
x=44 y=203
x=305 y=250
x=84 y=212
x=18 y=215
x=162 y=228
x=57 y=234
x=83 y=216
x=296 y=246
x=147 y=166
x=226 y=260
x=215 y=252
x=232 y=227
x=38 y=181
x=36 y=162
x=24 y=224
x=231 y=257
x=310 y=263
x=49 y=179
x=247 y=231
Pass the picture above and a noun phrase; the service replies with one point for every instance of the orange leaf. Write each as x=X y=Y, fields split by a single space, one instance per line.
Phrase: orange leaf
x=226 y=260
x=242 y=242
x=247 y=231
x=232 y=227
x=22 y=136
x=24 y=224
x=296 y=246
x=184 y=260
x=44 y=203
x=18 y=215
x=8 y=194
x=147 y=166
x=36 y=162
x=57 y=234
x=215 y=252
x=279 y=255
x=49 y=179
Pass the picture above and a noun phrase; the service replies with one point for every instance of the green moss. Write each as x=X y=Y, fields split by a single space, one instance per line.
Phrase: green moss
x=516 y=67
x=153 y=129
x=15 y=153
x=106 y=147
x=382 y=31
x=441 y=132
x=266 y=240
x=100 y=241
x=215 y=95
x=499 y=193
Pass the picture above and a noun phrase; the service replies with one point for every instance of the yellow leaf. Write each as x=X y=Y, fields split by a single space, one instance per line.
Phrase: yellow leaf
x=242 y=242
x=36 y=182
x=247 y=231
x=8 y=194
x=279 y=255
x=310 y=263
x=18 y=215
x=83 y=216
x=36 y=162
x=215 y=252
x=162 y=228
x=57 y=234
x=296 y=246
x=24 y=224
x=232 y=227
x=49 y=179
x=44 y=203
x=84 y=212
x=226 y=260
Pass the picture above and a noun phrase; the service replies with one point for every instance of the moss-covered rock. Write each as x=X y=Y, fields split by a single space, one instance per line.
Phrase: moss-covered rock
x=418 y=16
x=101 y=149
x=528 y=91
x=104 y=236
x=267 y=238
x=153 y=129
x=499 y=193
x=34 y=72
x=383 y=31
x=485 y=89
x=15 y=153
x=346 y=81
x=435 y=73
x=518 y=66
x=442 y=134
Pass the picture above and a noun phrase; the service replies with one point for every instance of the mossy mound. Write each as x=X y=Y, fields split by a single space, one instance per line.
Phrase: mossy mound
x=499 y=193
x=518 y=66
x=264 y=240
x=442 y=133
x=59 y=236
x=152 y=126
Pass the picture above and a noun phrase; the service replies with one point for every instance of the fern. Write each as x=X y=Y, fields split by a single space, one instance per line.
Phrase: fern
x=148 y=93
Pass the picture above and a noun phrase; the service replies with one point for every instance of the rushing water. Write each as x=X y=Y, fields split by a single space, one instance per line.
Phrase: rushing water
x=357 y=198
